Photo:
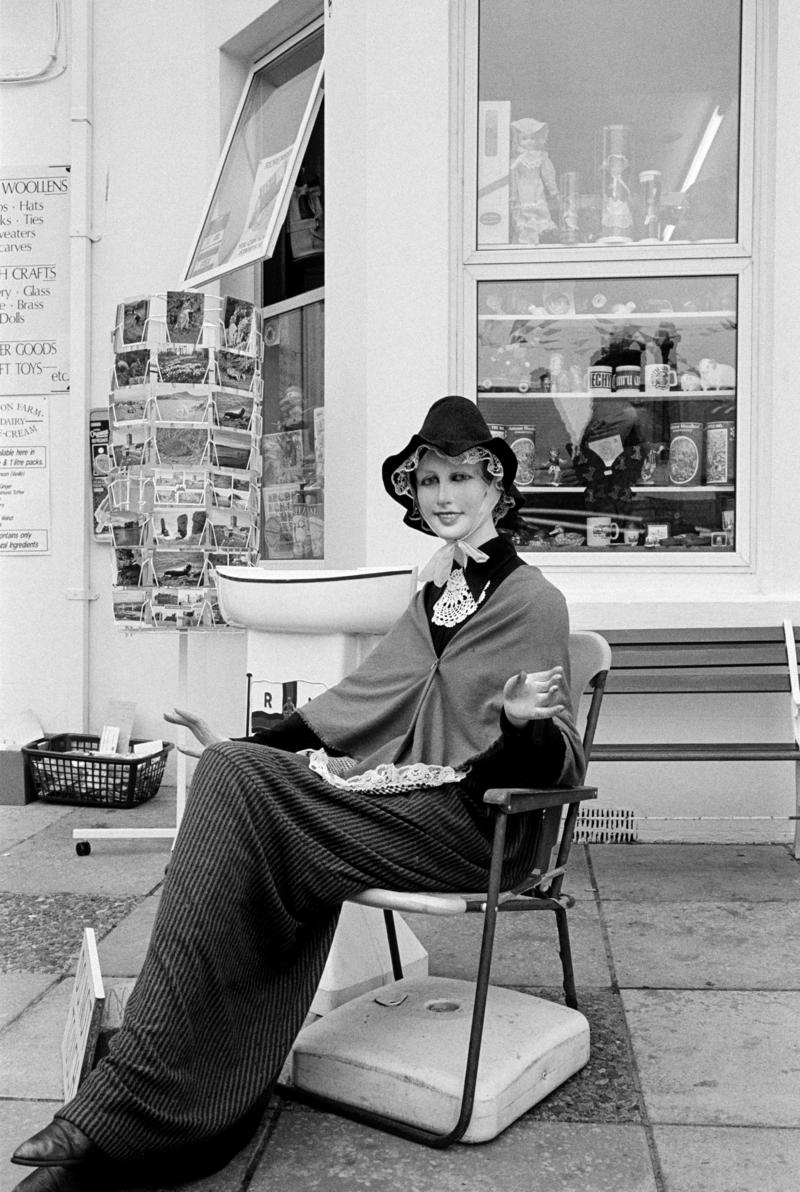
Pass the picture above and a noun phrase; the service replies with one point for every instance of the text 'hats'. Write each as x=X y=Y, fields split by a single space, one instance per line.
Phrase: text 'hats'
x=452 y=426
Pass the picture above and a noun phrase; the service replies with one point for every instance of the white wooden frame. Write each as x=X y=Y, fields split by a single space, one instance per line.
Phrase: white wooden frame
x=267 y=244
x=499 y=263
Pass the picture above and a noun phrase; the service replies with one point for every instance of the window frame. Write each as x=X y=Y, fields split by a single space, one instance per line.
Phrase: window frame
x=267 y=245
x=520 y=263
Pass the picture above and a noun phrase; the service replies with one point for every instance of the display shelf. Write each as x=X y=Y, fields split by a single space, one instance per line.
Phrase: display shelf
x=633 y=394
x=672 y=489
x=626 y=316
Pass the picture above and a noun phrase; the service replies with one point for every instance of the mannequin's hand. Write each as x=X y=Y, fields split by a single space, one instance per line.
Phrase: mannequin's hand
x=539 y=696
x=197 y=726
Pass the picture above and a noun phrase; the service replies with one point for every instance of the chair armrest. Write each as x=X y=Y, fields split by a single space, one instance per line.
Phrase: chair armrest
x=513 y=800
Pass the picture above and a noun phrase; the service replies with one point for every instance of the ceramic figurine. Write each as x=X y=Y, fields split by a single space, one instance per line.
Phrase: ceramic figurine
x=714 y=375
x=554 y=466
x=533 y=181
x=690 y=382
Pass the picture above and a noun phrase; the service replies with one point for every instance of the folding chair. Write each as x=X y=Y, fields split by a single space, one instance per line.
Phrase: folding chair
x=557 y=808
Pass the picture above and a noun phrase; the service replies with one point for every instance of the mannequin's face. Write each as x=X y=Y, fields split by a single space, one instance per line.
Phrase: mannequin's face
x=455 y=500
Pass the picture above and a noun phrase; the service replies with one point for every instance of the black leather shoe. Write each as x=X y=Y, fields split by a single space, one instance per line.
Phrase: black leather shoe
x=59 y=1145
x=53 y=1179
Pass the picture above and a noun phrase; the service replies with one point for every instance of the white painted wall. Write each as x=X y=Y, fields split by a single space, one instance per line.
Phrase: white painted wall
x=167 y=75
x=40 y=629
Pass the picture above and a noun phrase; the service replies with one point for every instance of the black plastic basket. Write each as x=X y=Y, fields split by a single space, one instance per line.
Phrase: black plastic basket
x=57 y=775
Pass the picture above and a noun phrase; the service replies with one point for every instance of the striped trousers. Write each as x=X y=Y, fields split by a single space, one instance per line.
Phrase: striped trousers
x=266 y=854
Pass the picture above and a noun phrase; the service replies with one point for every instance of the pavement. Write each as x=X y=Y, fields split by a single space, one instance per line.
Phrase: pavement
x=687 y=962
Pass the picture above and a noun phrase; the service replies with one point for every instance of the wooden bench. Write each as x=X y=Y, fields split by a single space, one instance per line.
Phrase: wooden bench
x=712 y=661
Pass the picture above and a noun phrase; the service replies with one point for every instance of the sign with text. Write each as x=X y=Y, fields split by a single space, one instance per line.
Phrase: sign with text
x=34 y=280
x=24 y=476
x=84 y=1017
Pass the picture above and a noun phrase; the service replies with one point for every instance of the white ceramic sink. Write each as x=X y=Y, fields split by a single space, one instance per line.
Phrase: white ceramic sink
x=363 y=601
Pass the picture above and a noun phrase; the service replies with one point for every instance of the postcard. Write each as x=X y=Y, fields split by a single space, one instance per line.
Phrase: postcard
x=184 y=316
x=180 y=487
x=180 y=446
x=231 y=448
x=132 y=318
x=130 y=605
x=229 y=491
x=131 y=406
x=179 y=525
x=231 y=531
x=240 y=323
x=236 y=371
x=178 y=606
x=131 y=567
x=181 y=367
x=178 y=568
x=130 y=532
x=129 y=446
x=234 y=410
x=185 y=406
x=131 y=368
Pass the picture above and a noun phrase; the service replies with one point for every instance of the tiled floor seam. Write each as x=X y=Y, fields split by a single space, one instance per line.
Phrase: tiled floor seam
x=647 y=1125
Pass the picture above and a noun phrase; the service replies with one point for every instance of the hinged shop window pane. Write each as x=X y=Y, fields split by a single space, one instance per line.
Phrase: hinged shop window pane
x=259 y=164
x=608 y=122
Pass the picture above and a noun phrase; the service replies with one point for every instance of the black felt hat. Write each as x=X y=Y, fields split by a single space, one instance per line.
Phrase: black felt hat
x=452 y=426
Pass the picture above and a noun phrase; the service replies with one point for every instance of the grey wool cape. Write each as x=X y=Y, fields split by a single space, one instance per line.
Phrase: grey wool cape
x=404 y=705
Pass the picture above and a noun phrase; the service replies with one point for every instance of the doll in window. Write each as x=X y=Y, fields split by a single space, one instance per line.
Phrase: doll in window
x=533 y=182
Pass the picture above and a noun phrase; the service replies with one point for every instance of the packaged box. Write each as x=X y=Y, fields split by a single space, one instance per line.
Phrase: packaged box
x=494 y=147
x=16 y=788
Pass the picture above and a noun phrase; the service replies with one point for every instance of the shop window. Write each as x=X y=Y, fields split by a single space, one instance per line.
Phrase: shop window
x=607 y=122
x=608 y=274
x=619 y=397
x=255 y=181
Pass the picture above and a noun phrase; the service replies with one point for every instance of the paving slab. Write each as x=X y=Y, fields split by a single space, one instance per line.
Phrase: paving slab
x=18 y=1120
x=18 y=990
x=526 y=946
x=122 y=951
x=310 y=1151
x=19 y=823
x=47 y=863
x=718 y=1058
x=729 y=945
x=696 y=872
x=728 y=1159
x=30 y=1054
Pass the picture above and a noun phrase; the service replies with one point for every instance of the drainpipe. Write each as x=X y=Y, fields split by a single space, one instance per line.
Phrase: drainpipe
x=80 y=295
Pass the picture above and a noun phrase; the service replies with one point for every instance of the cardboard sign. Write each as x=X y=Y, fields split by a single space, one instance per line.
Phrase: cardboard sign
x=84 y=1016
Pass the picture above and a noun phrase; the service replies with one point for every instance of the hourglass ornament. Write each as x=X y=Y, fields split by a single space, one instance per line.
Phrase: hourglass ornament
x=650 y=183
x=616 y=220
x=569 y=229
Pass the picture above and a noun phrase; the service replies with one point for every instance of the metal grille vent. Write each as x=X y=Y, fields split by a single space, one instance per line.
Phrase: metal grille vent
x=605 y=825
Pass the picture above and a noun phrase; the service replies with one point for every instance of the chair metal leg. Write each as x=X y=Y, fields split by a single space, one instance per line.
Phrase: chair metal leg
x=394 y=947
x=420 y=1134
x=565 y=951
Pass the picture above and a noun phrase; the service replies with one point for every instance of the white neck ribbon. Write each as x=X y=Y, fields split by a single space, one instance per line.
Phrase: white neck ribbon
x=440 y=564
